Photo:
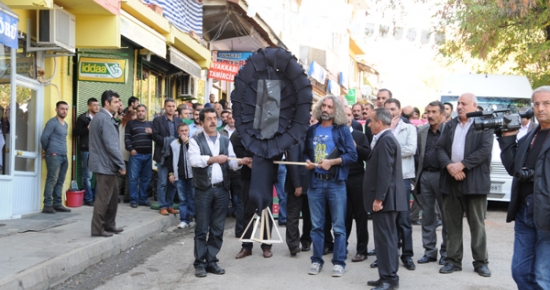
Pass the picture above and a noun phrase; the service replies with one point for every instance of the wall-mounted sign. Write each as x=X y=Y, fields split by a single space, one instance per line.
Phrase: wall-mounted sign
x=8 y=29
x=223 y=71
x=234 y=57
x=102 y=70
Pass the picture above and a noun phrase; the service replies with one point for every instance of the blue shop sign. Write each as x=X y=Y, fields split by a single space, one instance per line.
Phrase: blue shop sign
x=8 y=29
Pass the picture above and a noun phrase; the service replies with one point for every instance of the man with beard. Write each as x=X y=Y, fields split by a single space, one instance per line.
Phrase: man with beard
x=357 y=111
x=196 y=126
x=329 y=151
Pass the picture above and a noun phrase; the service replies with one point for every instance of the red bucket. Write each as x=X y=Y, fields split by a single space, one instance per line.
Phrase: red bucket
x=75 y=198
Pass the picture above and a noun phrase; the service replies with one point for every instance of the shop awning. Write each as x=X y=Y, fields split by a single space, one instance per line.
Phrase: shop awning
x=189 y=46
x=142 y=35
x=366 y=68
x=8 y=31
x=183 y=62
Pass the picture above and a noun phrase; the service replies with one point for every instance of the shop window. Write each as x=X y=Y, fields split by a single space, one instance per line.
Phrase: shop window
x=148 y=88
x=26 y=62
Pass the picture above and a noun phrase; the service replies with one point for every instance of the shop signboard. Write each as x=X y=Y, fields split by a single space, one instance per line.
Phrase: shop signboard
x=102 y=70
x=234 y=57
x=351 y=97
x=223 y=71
x=8 y=29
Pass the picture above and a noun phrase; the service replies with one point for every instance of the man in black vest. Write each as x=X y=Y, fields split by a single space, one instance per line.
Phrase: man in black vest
x=208 y=155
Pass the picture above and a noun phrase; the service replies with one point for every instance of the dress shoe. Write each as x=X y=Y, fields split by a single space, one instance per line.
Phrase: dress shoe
x=200 y=272
x=386 y=286
x=103 y=234
x=374 y=264
x=243 y=253
x=425 y=259
x=173 y=211
x=283 y=224
x=483 y=271
x=145 y=203
x=449 y=268
x=295 y=251
x=61 y=208
x=372 y=253
x=163 y=211
x=409 y=264
x=267 y=253
x=359 y=258
x=89 y=203
x=374 y=282
x=215 y=269
x=442 y=260
x=306 y=247
x=48 y=209
x=134 y=204
x=115 y=230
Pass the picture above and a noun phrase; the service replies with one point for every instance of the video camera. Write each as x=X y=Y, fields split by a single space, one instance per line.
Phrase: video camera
x=489 y=119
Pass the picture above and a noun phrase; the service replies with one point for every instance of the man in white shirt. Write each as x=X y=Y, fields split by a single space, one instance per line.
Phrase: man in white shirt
x=526 y=127
x=208 y=155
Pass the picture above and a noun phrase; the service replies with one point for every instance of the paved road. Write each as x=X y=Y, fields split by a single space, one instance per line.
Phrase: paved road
x=171 y=268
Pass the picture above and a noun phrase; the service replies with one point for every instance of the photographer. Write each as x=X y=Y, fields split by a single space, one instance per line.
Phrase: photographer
x=529 y=206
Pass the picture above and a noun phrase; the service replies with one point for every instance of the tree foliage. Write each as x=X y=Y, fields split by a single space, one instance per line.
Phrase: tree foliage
x=499 y=32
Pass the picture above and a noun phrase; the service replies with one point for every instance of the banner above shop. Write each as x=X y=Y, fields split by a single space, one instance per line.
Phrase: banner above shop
x=234 y=57
x=183 y=62
x=8 y=29
x=102 y=70
x=223 y=71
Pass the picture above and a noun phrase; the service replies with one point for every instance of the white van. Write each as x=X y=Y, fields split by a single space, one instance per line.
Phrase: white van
x=496 y=92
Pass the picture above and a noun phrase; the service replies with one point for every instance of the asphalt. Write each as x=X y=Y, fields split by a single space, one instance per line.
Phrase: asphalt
x=40 y=251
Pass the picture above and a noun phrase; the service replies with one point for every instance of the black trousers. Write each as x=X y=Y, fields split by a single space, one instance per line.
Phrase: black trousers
x=295 y=205
x=236 y=188
x=106 y=204
x=356 y=210
x=404 y=227
x=384 y=226
x=249 y=212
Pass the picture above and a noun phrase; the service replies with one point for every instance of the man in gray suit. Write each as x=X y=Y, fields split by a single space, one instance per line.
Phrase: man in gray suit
x=105 y=160
x=464 y=158
x=384 y=196
x=427 y=182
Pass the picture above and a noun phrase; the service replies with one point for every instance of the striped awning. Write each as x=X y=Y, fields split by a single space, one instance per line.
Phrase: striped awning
x=186 y=15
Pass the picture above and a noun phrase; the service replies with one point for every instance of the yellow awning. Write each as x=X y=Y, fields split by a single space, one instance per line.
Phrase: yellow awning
x=186 y=44
x=354 y=47
x=29 y=4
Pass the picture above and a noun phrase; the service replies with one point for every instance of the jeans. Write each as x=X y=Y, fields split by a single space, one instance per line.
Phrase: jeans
x=89 y=194
x=404 y=228
x=281 y=194
x=211 y=205
x=165 y=190
x=320 y=194
x=186 y=194
x=531 y=259
x=57 y=169
x=140 y=175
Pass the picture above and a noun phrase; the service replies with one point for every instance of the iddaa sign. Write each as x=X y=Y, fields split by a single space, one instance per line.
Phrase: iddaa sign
x=102 y=70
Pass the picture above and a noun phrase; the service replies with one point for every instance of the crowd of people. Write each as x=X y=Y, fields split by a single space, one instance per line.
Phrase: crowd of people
x=361 y=161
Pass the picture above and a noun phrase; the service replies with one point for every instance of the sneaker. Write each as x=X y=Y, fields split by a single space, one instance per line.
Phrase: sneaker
x=183 y=225
x=315 y=268
x=337 y=271
x=134 y=204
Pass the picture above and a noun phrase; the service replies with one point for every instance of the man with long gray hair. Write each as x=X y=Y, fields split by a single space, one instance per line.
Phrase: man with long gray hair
x=329 y=150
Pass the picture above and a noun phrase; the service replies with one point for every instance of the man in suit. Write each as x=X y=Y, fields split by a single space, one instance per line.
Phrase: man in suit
x=354 y=188
x=384 y=195
x=106 y=160
x=368 y=108
x=165 y=130
x=296 y=185
x=465 y=158
x=529 y=205
x=526 y=127
x=327 y=187
x=427 y=183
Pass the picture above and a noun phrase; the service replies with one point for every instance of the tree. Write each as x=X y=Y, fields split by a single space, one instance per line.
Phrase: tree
x=499 y=32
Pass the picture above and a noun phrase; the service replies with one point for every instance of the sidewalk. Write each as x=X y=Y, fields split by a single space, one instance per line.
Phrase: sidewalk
x=42 y=250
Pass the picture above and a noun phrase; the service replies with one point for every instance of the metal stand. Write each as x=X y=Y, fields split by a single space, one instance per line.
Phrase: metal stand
x=264 y=224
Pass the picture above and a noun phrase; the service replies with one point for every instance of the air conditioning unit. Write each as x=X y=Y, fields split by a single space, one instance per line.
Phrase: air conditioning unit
x=186 y=87
x=56 y=29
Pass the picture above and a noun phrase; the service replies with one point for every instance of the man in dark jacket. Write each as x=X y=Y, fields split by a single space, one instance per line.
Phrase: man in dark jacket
x=165 y=130
x=354 y=188
x=465 y=157
x=82 y=129
x=384 y=195
x=530 y=202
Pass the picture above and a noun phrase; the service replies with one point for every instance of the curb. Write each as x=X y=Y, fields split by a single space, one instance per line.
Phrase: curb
x=54 y=271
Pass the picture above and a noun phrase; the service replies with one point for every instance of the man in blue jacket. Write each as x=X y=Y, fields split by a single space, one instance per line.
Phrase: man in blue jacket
x=328 y=152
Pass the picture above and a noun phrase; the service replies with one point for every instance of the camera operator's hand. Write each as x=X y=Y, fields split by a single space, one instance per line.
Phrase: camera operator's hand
x=510 y=133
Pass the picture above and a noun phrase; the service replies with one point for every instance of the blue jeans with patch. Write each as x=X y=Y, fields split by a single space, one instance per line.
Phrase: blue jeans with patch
x=531 y=259
x=186 y=194
x=89 y=194
x=140 y=173
x=57 y=170
x=320 y=194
